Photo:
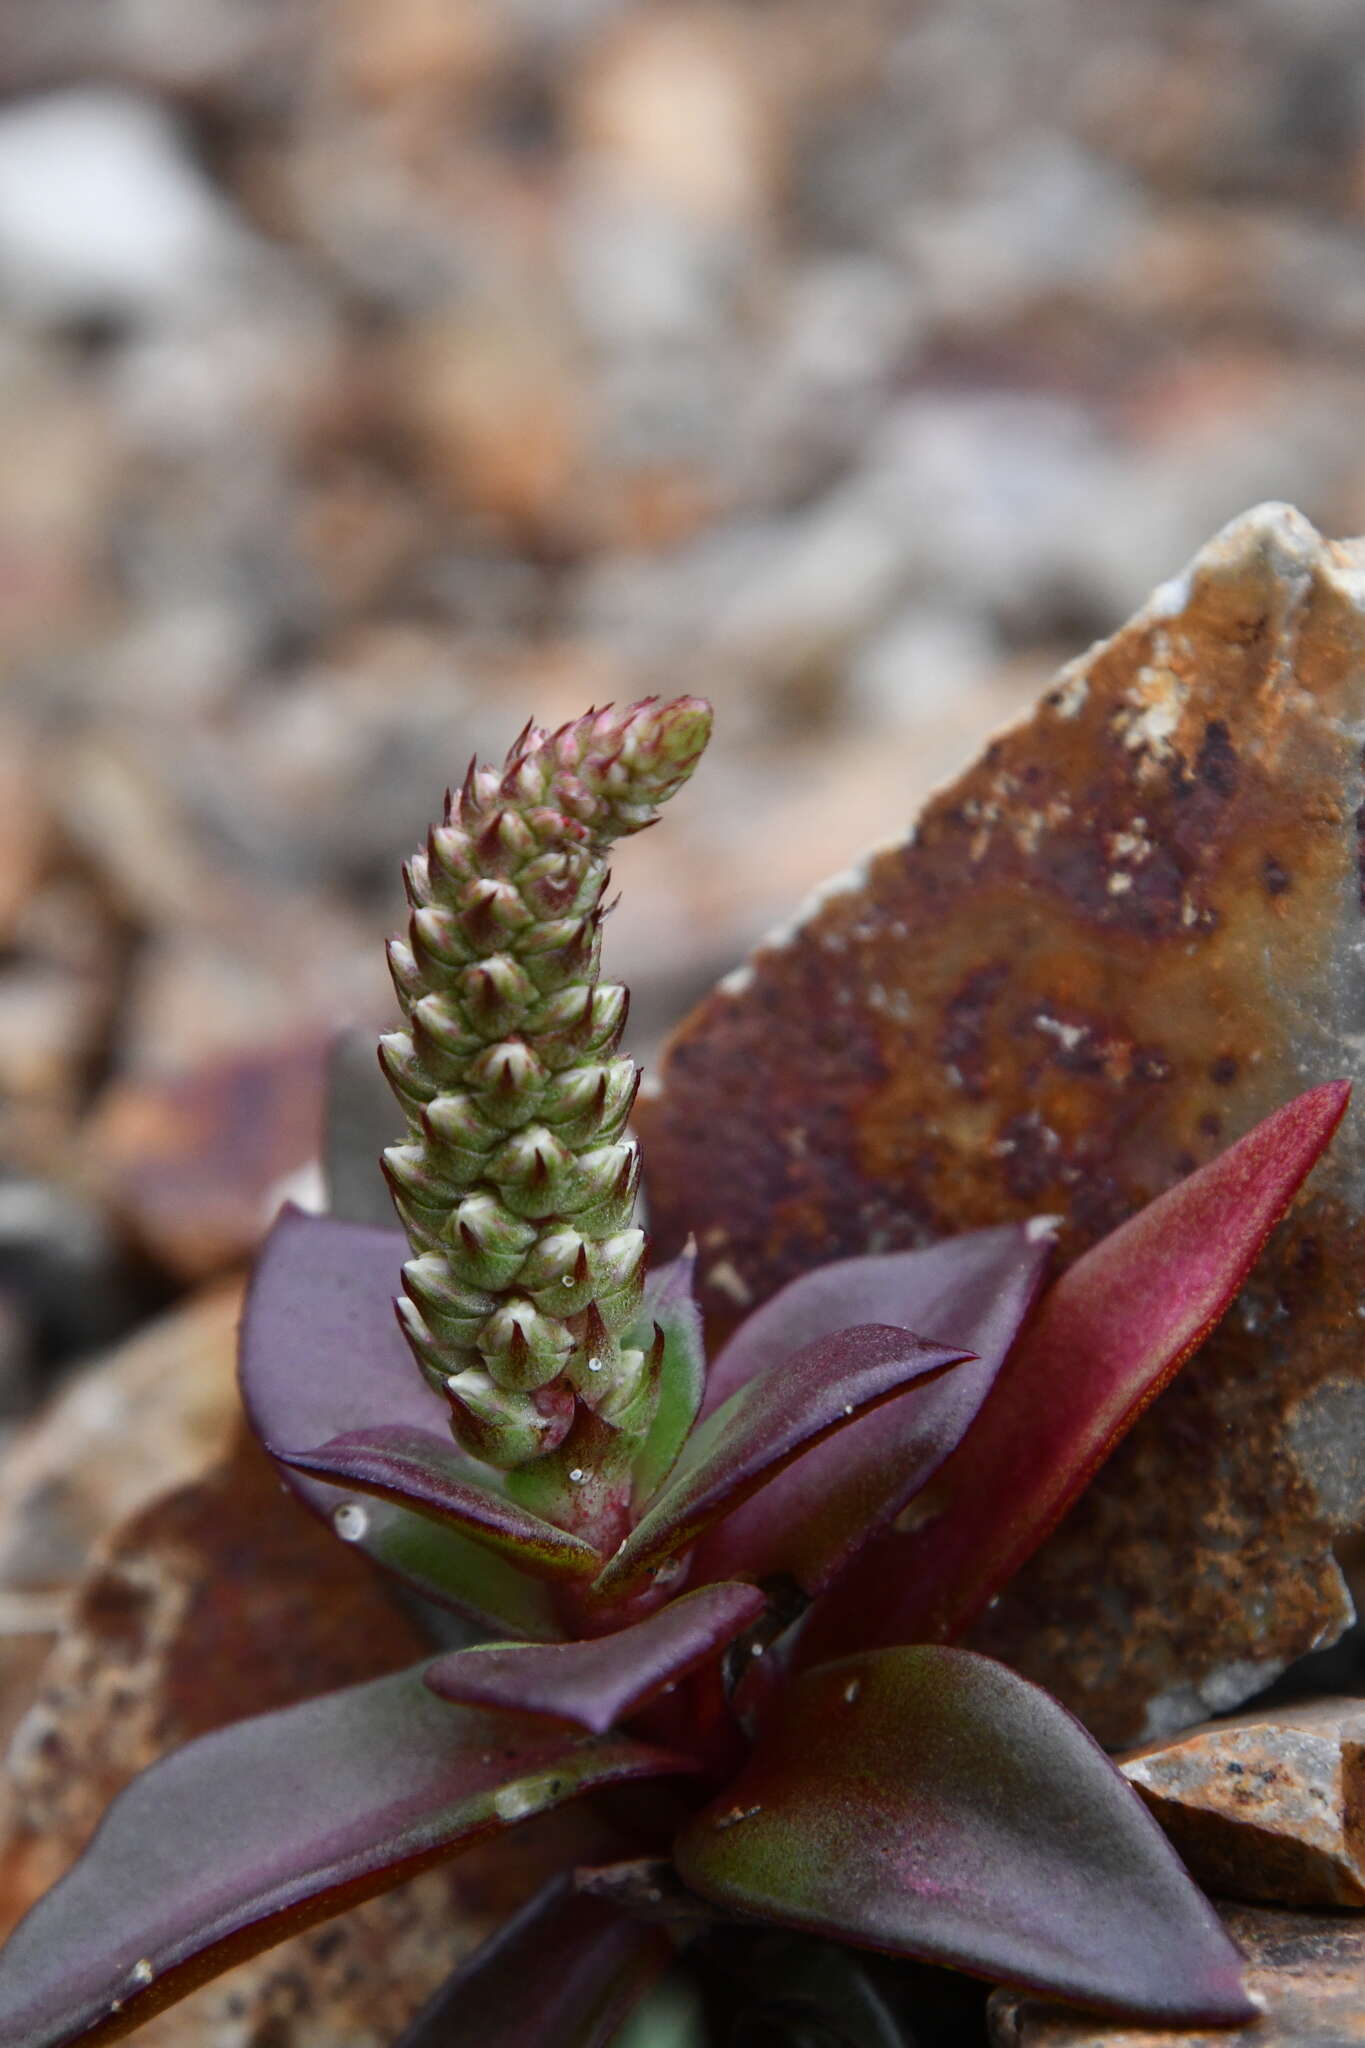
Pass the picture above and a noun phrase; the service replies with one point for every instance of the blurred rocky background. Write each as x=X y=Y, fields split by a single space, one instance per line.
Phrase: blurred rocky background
x=372 y=376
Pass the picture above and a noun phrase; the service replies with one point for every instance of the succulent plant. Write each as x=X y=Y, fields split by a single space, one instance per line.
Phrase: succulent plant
x=746 y=1580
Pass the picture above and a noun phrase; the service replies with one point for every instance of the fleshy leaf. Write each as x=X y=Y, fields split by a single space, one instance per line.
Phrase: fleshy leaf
x=267 y=1826
x=563 y=1973
x=669 y=1306
x=321 y=1356
x=416 y=1468
x=597 y=1683
x=1105 y=1340
x=781 y=1412
x=933 y=1803
x=973 y=1290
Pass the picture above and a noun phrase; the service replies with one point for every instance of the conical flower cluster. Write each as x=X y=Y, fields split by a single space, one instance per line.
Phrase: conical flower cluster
x=517 y=1183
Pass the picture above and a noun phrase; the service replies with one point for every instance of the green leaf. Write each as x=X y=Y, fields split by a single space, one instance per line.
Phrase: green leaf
x=670 y=1307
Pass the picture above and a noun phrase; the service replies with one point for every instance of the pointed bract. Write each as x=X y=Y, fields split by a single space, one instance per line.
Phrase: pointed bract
x=812 y=1520
x=417 y=1469
x=781 y=1412
x=597 y=1683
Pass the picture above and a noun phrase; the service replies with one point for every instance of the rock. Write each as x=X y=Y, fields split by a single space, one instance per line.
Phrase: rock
x=1122 y=937
x=59 y=1264
x=221 y=1599
x=1305 y=1969
x=102 y=210
x=156 y=1411
x=189 y=1160
x=1269 y=1805
x=676 y=105
x=25 y=824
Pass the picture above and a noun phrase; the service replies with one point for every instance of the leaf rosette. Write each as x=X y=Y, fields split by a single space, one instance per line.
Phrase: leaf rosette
x=745 y=1579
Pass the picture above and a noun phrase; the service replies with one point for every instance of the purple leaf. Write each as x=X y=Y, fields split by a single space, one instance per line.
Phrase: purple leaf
x=564 y=1973
x=595 y=1684
x=322 y=1356
x=809 y=1523
x=669 y=1306
x=265 y=1827
x=779 y=1413
x=1105 y=1340
x=932 y=1803
x=418 y=1469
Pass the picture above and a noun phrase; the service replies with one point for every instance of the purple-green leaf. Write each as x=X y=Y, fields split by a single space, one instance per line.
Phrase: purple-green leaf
x=564 y=1973
x=322 y=1356
x=782 y=1411
x=597 y=1683
x=933 y=1803
x=415 y=1468
x=272 y=1824
x=974 y=1291
x=1105 y=1340
x=670 y=1306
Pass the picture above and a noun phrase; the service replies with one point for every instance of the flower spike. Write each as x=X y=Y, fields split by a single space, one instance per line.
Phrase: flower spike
x=517 y=1182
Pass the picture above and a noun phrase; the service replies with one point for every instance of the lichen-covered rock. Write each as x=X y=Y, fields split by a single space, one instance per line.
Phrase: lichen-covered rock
x=1268 y=1805
x=1131 y=929
x=1304 y=1969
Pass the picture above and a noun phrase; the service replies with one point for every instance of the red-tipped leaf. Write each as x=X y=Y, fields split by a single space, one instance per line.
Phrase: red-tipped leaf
x=417 y=1469
x=932 y=1803
x=268 y=1826
x=597 y=1683
x=781 y=1412
x=1105 y=1340
x=808 y=1524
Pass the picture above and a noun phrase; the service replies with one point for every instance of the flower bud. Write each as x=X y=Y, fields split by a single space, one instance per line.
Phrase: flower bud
x=522 y=1348
x=503 y=1428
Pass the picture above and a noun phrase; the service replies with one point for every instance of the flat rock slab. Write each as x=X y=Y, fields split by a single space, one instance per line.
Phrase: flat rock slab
x=1307 y=1971
x=1128 y=932
x=1266 y=1805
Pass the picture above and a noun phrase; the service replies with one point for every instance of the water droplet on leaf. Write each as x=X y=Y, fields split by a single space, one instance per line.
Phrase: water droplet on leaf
x=852 y=1689
x=735 y=1815
x=350 y=1521
x=594 y=1365
x=525 y=1796
x=578 y=1475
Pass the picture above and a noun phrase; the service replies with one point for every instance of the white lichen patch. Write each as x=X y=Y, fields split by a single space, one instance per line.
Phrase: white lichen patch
x=1071 y=693
x=1147 y=724
x=1069 y=1036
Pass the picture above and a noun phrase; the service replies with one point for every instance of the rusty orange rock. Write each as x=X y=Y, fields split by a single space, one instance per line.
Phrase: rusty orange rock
x=1304 y=1969
x=1129 y=931
x=1267 y=1805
